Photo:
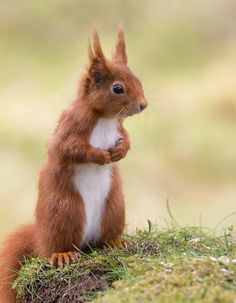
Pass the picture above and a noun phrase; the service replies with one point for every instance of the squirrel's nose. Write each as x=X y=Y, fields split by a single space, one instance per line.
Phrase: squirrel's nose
x=143 y=104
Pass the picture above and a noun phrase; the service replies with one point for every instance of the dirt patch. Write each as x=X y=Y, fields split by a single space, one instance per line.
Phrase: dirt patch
x=80 y=290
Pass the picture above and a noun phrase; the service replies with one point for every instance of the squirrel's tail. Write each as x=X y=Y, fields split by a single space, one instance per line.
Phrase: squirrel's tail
x=16 y=246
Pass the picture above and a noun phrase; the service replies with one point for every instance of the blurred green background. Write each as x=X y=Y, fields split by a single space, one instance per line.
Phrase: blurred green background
x=183 y=145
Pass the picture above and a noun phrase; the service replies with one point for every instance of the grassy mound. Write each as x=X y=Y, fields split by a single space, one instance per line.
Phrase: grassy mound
x=189 y=264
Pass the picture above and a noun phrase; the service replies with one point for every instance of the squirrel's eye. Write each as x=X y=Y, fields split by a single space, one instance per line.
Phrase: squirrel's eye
x=118 y=89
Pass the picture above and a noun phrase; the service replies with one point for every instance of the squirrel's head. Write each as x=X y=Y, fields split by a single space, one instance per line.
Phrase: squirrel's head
x=108 y=86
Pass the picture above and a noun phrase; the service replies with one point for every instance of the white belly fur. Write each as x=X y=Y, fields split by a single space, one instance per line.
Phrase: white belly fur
x=94 y=181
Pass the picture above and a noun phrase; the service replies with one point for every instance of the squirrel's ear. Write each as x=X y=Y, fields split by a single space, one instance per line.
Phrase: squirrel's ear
x=98 y=53
x=98 y=67
x=120 y=54
x=90 y=52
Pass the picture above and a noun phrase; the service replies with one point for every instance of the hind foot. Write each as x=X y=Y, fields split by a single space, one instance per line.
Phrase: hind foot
x=116 y=243
x=59 y=259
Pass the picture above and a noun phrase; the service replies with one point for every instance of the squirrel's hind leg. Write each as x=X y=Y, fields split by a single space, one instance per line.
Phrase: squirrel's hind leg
x=113 y=221
x=59 y=228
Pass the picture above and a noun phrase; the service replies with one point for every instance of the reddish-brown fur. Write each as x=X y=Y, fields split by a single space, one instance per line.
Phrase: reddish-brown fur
x=60 y=213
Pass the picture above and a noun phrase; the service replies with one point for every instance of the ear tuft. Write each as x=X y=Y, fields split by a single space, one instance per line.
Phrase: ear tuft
x=90 y=52
x=120 y=54
x=98 y=69
x=97 y=47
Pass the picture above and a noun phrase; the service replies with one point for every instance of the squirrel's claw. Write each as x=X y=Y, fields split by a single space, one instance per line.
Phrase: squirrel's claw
x=117 y=243
x=59 y=259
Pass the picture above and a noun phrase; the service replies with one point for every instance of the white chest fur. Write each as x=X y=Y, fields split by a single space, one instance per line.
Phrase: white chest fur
x=93 y=181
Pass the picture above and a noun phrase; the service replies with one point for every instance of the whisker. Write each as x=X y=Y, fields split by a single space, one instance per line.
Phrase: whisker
x=125 y=112
x=117 y=115
x=121 y=113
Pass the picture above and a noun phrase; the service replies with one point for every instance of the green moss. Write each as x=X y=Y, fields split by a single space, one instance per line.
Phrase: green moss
x=179 y=264
x=181 y=280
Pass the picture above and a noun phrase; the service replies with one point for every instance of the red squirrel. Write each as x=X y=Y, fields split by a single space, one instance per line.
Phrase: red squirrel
x=80 y=198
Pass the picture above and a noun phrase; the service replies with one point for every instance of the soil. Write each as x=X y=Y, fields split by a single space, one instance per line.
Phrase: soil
x=77 y=291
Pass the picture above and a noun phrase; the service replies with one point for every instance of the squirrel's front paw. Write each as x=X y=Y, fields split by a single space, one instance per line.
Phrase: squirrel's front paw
x=102 y=157
x=119 y=151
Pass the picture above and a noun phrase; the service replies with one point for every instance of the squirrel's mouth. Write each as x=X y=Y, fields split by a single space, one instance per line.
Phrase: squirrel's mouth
x=131 y=109
x=137 y=108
